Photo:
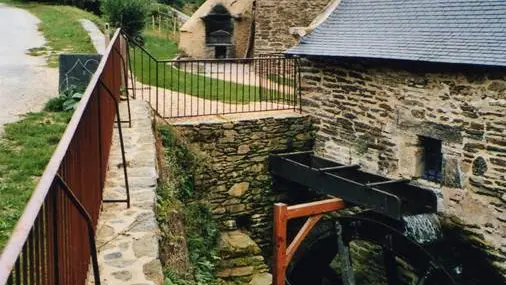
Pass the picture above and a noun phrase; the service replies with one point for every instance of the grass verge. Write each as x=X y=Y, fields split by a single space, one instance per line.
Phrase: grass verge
x=61 y=27
x=177 y=79
x=25 y=149
x=189 y=233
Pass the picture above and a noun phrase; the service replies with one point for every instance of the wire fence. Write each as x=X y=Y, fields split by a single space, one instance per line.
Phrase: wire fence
x=166 y=22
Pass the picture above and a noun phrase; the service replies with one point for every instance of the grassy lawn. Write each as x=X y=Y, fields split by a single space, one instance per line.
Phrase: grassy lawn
x=61 y=28
x=26 y=146
x=25 y=149
x=190 y=83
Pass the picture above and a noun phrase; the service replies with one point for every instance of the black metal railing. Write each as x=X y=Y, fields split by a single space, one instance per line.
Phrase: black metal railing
x=186 y=88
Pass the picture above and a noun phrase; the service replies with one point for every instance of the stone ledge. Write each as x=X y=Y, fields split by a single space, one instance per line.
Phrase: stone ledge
x=219 y=119
x=127 y=239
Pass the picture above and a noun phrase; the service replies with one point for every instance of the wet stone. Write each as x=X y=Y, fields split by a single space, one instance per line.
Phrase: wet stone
x=144 y=246
x=153 y=271
x=261 y=279
x=113 y=255
x=120 y=263
x=123 y=275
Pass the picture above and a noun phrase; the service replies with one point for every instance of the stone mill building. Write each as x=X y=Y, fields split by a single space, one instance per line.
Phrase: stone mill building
x=246 y=28
x=417 y=89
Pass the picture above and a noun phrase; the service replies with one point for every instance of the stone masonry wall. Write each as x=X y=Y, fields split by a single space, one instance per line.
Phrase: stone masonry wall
x=372 y=112
x=237 y=183
x=274 y=18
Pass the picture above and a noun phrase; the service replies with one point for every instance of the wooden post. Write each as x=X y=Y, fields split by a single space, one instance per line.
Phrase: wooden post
x=159 y=22
x=153 y=21
x=280 y=220
x=174 y=21
x=283 y=213
x=168 y=23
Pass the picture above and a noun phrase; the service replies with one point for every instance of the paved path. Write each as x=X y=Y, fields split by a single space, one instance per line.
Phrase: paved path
x=127 y=239
x=176 y=104
x=25 y=81
x=96 y=36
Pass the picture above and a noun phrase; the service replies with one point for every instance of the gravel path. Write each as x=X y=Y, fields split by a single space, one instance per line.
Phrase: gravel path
x=25 y=81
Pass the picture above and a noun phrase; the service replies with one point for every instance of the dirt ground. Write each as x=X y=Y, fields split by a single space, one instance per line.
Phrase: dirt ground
x=25 y=81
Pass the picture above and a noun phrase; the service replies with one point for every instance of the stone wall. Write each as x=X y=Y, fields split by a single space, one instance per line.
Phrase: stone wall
x=192 y=40
x=241 y=262
x=237 y=183
x=274 y=18
x=373 y=112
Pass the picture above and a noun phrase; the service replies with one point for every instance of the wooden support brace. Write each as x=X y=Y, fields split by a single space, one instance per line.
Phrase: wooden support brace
x=284 y=213
x=301 y=235
x=314 y=208
x=280 y=221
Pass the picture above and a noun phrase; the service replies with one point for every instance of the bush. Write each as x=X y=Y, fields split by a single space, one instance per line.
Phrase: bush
x=129 y=15
x=201 y=230
x=174 y=3
x=66 y=101
x=202 y=234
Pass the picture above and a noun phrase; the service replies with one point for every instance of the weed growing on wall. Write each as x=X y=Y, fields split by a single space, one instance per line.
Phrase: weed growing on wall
x=178 y=201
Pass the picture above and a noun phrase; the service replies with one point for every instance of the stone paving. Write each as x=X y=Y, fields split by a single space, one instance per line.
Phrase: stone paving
x=127 y=239
x=171 y=103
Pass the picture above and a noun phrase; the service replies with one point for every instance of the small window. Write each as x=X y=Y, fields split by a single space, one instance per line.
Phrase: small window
x=432 y=159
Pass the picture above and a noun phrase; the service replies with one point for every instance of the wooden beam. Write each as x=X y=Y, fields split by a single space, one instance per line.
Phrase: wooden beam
x=283 y=213
x=280 y=221
x=301 y=235
x=315 y=208
x=342 y=167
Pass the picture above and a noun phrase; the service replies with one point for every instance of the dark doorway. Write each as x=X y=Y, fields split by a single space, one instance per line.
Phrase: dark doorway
x=220 y=52
x=219 y=30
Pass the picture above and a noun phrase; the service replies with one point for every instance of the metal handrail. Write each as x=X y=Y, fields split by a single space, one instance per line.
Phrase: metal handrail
x=24 y=227
x=178 y=88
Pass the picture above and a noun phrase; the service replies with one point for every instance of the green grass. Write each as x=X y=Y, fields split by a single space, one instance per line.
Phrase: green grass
x=172 y=78
x=25 y=149
x=61 y=28
x=159 y=46
x=282 y=79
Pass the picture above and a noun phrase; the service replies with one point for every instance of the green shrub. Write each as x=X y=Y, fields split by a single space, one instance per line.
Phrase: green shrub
x=201 y=229
x=129 y=15
x=66 y=101
x=174 y=3
x=202 y=235
x=183 y=161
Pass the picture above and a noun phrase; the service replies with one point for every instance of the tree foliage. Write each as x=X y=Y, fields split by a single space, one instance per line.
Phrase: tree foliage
x=130 y=15
x=90 y=5
x=181 y=3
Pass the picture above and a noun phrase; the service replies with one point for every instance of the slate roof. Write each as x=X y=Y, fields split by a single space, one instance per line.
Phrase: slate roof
x=448 y=31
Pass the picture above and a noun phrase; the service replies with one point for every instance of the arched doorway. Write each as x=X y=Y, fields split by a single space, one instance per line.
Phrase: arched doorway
x=219 y=31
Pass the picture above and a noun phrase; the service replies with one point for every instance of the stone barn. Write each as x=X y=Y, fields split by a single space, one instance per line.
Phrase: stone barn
x=417 y=90
x=246 y=28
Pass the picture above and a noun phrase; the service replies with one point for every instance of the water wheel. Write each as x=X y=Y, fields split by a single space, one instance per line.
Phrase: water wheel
x=312 y=264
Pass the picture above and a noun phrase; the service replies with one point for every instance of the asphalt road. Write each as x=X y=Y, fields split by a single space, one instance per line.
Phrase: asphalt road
x=25 y=82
